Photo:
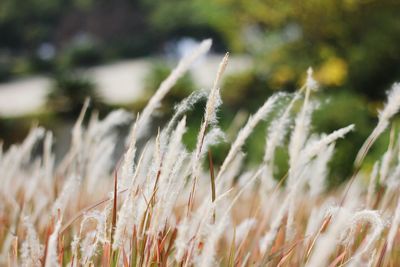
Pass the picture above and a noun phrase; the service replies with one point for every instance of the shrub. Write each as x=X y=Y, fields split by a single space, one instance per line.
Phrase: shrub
x=69 y=91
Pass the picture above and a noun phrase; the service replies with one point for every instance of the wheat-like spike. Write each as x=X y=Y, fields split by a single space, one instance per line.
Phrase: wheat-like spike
x=391 y=107
x=52 y=245
x=244 y=133
x=168 y=83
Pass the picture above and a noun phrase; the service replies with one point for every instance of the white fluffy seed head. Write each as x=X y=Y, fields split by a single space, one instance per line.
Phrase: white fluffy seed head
x=31 y=249
x=183 y=107
x=244 y=228
x=301 y=131
x=391 y=107
x=127 y=167
x=326 y=243
x=318 y=146
x=267 y=240
x=168 y=83
x=207 y=256
x=310 y=82
x=115 y=118
x=376 y=223
x=214 y=99
x=52 y=252
x=244 y=133
x=277 y=131
x=93 y=238
x=68 y=190
x=393 y=103
x=393 y=228
x=319 y=170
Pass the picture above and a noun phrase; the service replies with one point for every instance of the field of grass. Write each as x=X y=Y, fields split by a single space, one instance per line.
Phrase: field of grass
x=163 y=205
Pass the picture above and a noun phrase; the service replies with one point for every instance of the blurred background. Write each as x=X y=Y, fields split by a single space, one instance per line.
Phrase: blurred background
x=54 y=53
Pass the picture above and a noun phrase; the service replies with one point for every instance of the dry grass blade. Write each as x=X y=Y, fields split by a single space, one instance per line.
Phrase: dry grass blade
x=212 y=177
x=323 y=227
x=210 y=119
x=338 y=259
x=382 y=255
x=114 y=212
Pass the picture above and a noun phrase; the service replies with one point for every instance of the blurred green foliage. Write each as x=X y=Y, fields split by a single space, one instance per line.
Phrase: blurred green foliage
x=339 y=109
x=248 y=86
x=13 y=130
x=351 y=44
x=69 y=92
x=81 y=55
x=78 y=32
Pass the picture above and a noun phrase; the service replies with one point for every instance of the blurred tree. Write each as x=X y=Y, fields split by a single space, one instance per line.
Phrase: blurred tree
x=46 y=33
x=248 y=85
x=25 y=23
x=69 y=92
x=174 y=19
x=351 y=43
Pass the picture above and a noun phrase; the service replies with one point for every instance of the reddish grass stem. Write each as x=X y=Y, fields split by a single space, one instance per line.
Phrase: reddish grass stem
x=212 y=176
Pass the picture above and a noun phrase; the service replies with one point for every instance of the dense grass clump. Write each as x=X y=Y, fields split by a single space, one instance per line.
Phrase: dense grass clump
x=159 y=206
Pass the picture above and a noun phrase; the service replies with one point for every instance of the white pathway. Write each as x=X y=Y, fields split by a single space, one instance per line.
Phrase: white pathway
x=117 y=83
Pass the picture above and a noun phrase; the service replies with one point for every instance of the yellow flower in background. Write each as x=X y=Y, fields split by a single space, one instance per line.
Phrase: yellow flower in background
x=332 y=72
x=281 y=76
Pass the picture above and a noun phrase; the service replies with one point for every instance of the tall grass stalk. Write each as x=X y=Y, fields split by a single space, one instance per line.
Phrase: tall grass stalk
x=168 y=83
